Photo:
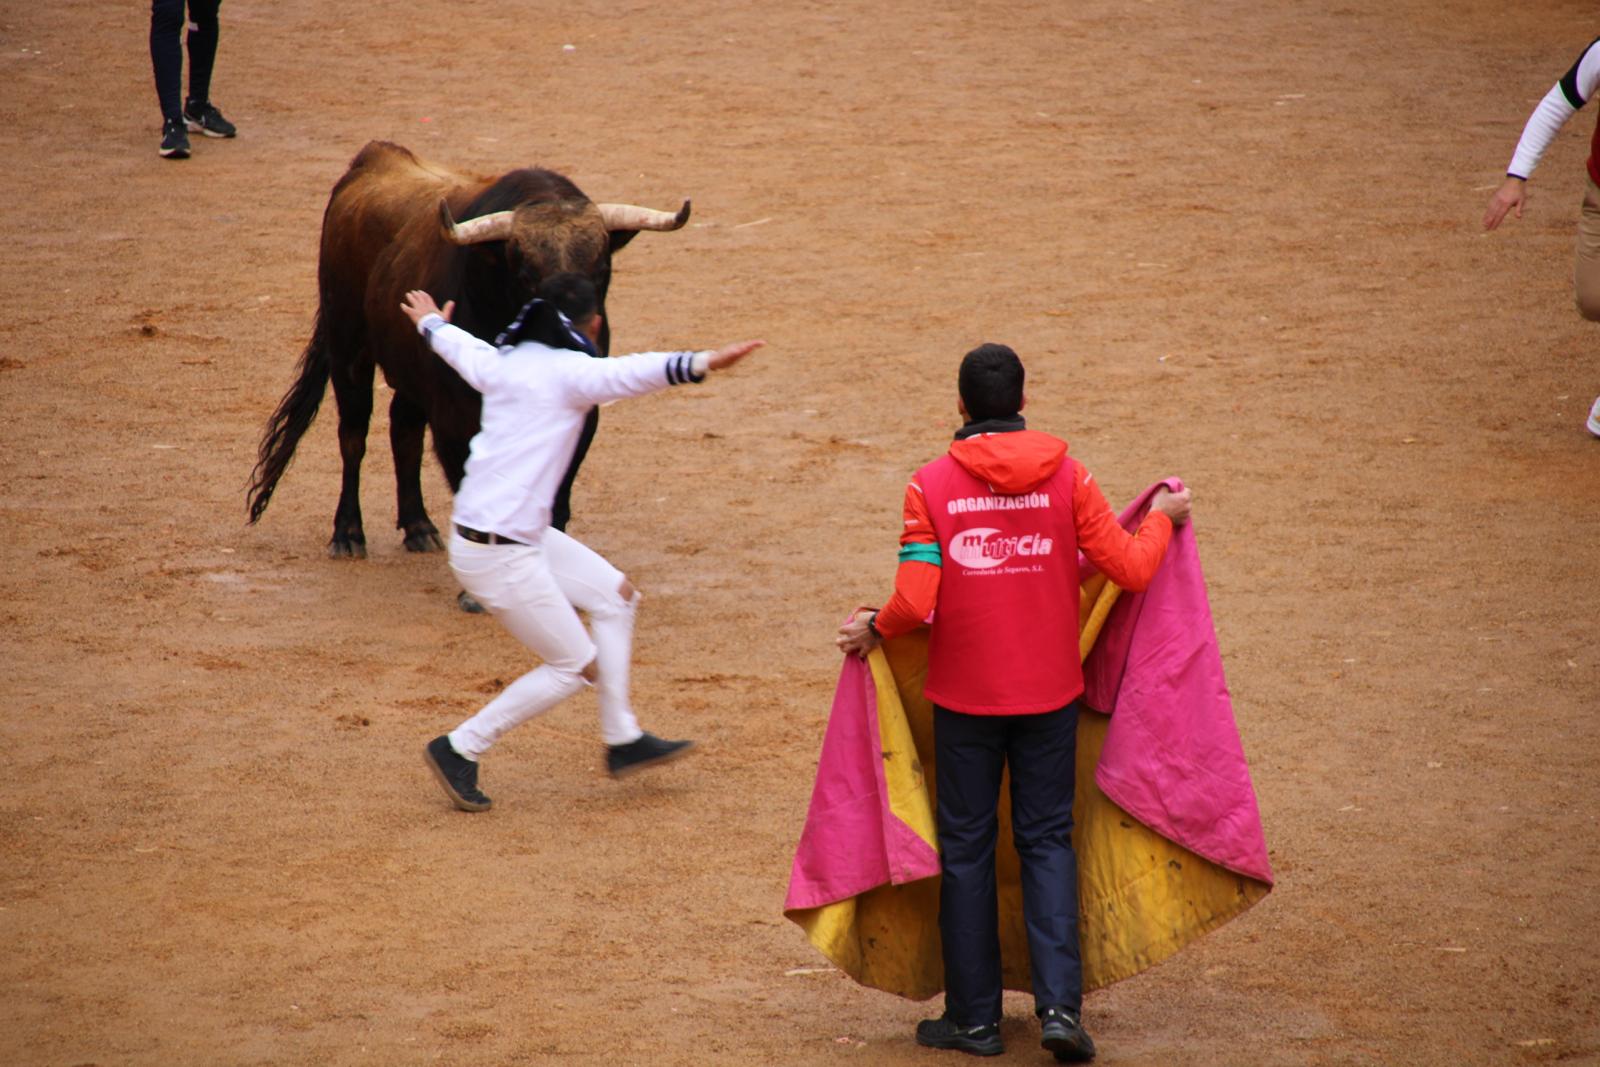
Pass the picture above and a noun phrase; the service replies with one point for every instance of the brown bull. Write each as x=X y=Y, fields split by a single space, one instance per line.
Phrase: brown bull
x=388 y=228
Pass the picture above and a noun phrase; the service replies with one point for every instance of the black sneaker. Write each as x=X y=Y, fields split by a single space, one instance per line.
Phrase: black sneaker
x=457 y=775
x=1062 y=1032
x=975 y=1040
x=174 y=141
x=649 y=750
x=203 y=117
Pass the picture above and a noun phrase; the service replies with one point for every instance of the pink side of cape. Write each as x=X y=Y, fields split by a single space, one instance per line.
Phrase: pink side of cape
x=1172 y=757
x=852 y=841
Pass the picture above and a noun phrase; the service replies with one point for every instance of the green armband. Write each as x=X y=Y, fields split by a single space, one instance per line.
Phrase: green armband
x=925 y=552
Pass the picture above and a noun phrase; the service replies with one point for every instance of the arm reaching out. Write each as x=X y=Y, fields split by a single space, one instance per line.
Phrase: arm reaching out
x=418 y=305
x=469 y=356
x=728 y=355
x=1508 y=198
x=858 y=636
x=1175 y=506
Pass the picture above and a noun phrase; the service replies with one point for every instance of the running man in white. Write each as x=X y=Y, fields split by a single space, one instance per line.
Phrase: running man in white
x=1575 y=89
x=536 y=392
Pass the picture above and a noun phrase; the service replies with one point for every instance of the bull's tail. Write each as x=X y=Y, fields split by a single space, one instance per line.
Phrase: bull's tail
x=294 y=416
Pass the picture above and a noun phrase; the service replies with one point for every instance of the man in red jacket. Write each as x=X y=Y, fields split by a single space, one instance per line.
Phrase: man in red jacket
x=990 y=548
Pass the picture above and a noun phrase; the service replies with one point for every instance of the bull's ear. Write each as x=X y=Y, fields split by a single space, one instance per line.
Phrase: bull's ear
x=620 y=238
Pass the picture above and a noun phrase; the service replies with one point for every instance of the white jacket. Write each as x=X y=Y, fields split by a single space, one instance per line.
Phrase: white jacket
x=535 y=399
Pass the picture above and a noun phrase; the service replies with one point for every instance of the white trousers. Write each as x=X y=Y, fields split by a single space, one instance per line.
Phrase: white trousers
x=533 y=590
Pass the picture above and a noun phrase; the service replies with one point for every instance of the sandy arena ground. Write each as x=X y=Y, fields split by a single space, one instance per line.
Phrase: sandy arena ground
x=1235 y=242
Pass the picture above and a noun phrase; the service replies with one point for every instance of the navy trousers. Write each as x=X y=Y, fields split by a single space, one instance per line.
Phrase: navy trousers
x=166 y=29
x=972 y=753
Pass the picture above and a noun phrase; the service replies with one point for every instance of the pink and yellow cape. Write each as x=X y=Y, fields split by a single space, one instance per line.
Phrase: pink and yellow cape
x=1168 y=835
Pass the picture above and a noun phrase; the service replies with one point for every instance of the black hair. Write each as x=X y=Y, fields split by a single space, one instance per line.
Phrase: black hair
x=991 y=382
x=573 y=294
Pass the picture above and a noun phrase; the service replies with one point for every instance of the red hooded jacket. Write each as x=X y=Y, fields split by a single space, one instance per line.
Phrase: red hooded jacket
x=990 y=551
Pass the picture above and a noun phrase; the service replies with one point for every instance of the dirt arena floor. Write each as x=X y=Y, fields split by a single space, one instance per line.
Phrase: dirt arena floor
x=1235 y=242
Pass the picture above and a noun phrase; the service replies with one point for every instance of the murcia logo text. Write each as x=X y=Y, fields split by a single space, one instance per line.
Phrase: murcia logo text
x=983 y=548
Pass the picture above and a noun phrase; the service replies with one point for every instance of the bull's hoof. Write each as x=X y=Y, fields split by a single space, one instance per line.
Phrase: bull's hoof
x=423 y=537
x=465 y=602
x=348 y=546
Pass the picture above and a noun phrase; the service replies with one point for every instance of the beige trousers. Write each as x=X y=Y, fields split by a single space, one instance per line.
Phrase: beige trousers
x=1586 y=269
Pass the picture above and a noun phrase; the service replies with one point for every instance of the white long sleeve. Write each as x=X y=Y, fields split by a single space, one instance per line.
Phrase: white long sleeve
x=468 y=356
x=535 y=399
x=1563 y=100
x=600 y=381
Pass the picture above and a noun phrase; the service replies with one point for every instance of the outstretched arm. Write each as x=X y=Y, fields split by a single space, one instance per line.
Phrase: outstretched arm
x=916 y=584
x=1510 y=197
x=418 y=305
x=469 y=356
x=1563 y=100
x=600 y=381
x=1130 y=560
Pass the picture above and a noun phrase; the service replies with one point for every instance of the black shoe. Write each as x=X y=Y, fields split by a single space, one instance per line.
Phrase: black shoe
x=976 y=1040
x=1062 y=1032
x=174 y=141
x=457 y=775
x=649 y=750
x=203 y=117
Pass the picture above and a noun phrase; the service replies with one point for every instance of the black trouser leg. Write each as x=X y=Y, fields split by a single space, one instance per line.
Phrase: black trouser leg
x=971 y=753
x=202 y=47
x=561 y=508
x=166 y=54
x=1042 y=752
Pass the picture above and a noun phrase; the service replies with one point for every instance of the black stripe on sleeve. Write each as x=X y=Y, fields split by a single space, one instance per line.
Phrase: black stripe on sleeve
x=1569 y=80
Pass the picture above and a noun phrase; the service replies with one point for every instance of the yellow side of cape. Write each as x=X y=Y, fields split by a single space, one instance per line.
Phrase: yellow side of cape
x=1141 y=898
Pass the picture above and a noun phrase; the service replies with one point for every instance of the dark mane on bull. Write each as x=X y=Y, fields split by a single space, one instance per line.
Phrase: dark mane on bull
x=527 y=185
x=487 y=295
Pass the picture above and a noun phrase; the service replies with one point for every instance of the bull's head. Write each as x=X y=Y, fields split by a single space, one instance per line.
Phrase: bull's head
x=560 y=236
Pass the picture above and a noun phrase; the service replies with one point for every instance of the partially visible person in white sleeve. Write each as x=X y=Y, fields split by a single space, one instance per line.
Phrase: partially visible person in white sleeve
x=1576 y=87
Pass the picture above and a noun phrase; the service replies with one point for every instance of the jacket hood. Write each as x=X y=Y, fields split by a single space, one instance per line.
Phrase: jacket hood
x=1010 y=463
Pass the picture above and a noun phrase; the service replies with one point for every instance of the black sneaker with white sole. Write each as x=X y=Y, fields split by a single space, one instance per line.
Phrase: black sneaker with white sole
x=174 y=140
x=649 y=750
x=944 y=1032
x=1061 y=1031
x=202 y=116
x=456 y=775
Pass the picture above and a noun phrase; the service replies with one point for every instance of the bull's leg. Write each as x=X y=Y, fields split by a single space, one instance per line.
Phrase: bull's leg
x=406 y=425
x=352 y=388
x=452 y=452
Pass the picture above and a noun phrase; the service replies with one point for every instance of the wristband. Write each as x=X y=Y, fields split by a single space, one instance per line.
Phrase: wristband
x=872 y=626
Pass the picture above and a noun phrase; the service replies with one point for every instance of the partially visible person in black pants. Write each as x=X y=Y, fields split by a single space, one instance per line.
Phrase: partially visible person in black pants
x=196 y=113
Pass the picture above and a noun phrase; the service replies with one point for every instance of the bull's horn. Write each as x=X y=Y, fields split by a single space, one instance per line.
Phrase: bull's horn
x=495 y=226
x=629 y=217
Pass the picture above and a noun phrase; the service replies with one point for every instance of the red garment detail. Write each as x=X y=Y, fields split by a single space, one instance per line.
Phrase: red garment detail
x=916 y=590
x=1005 y=632
x=1011 y=465
x=1594 y=153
